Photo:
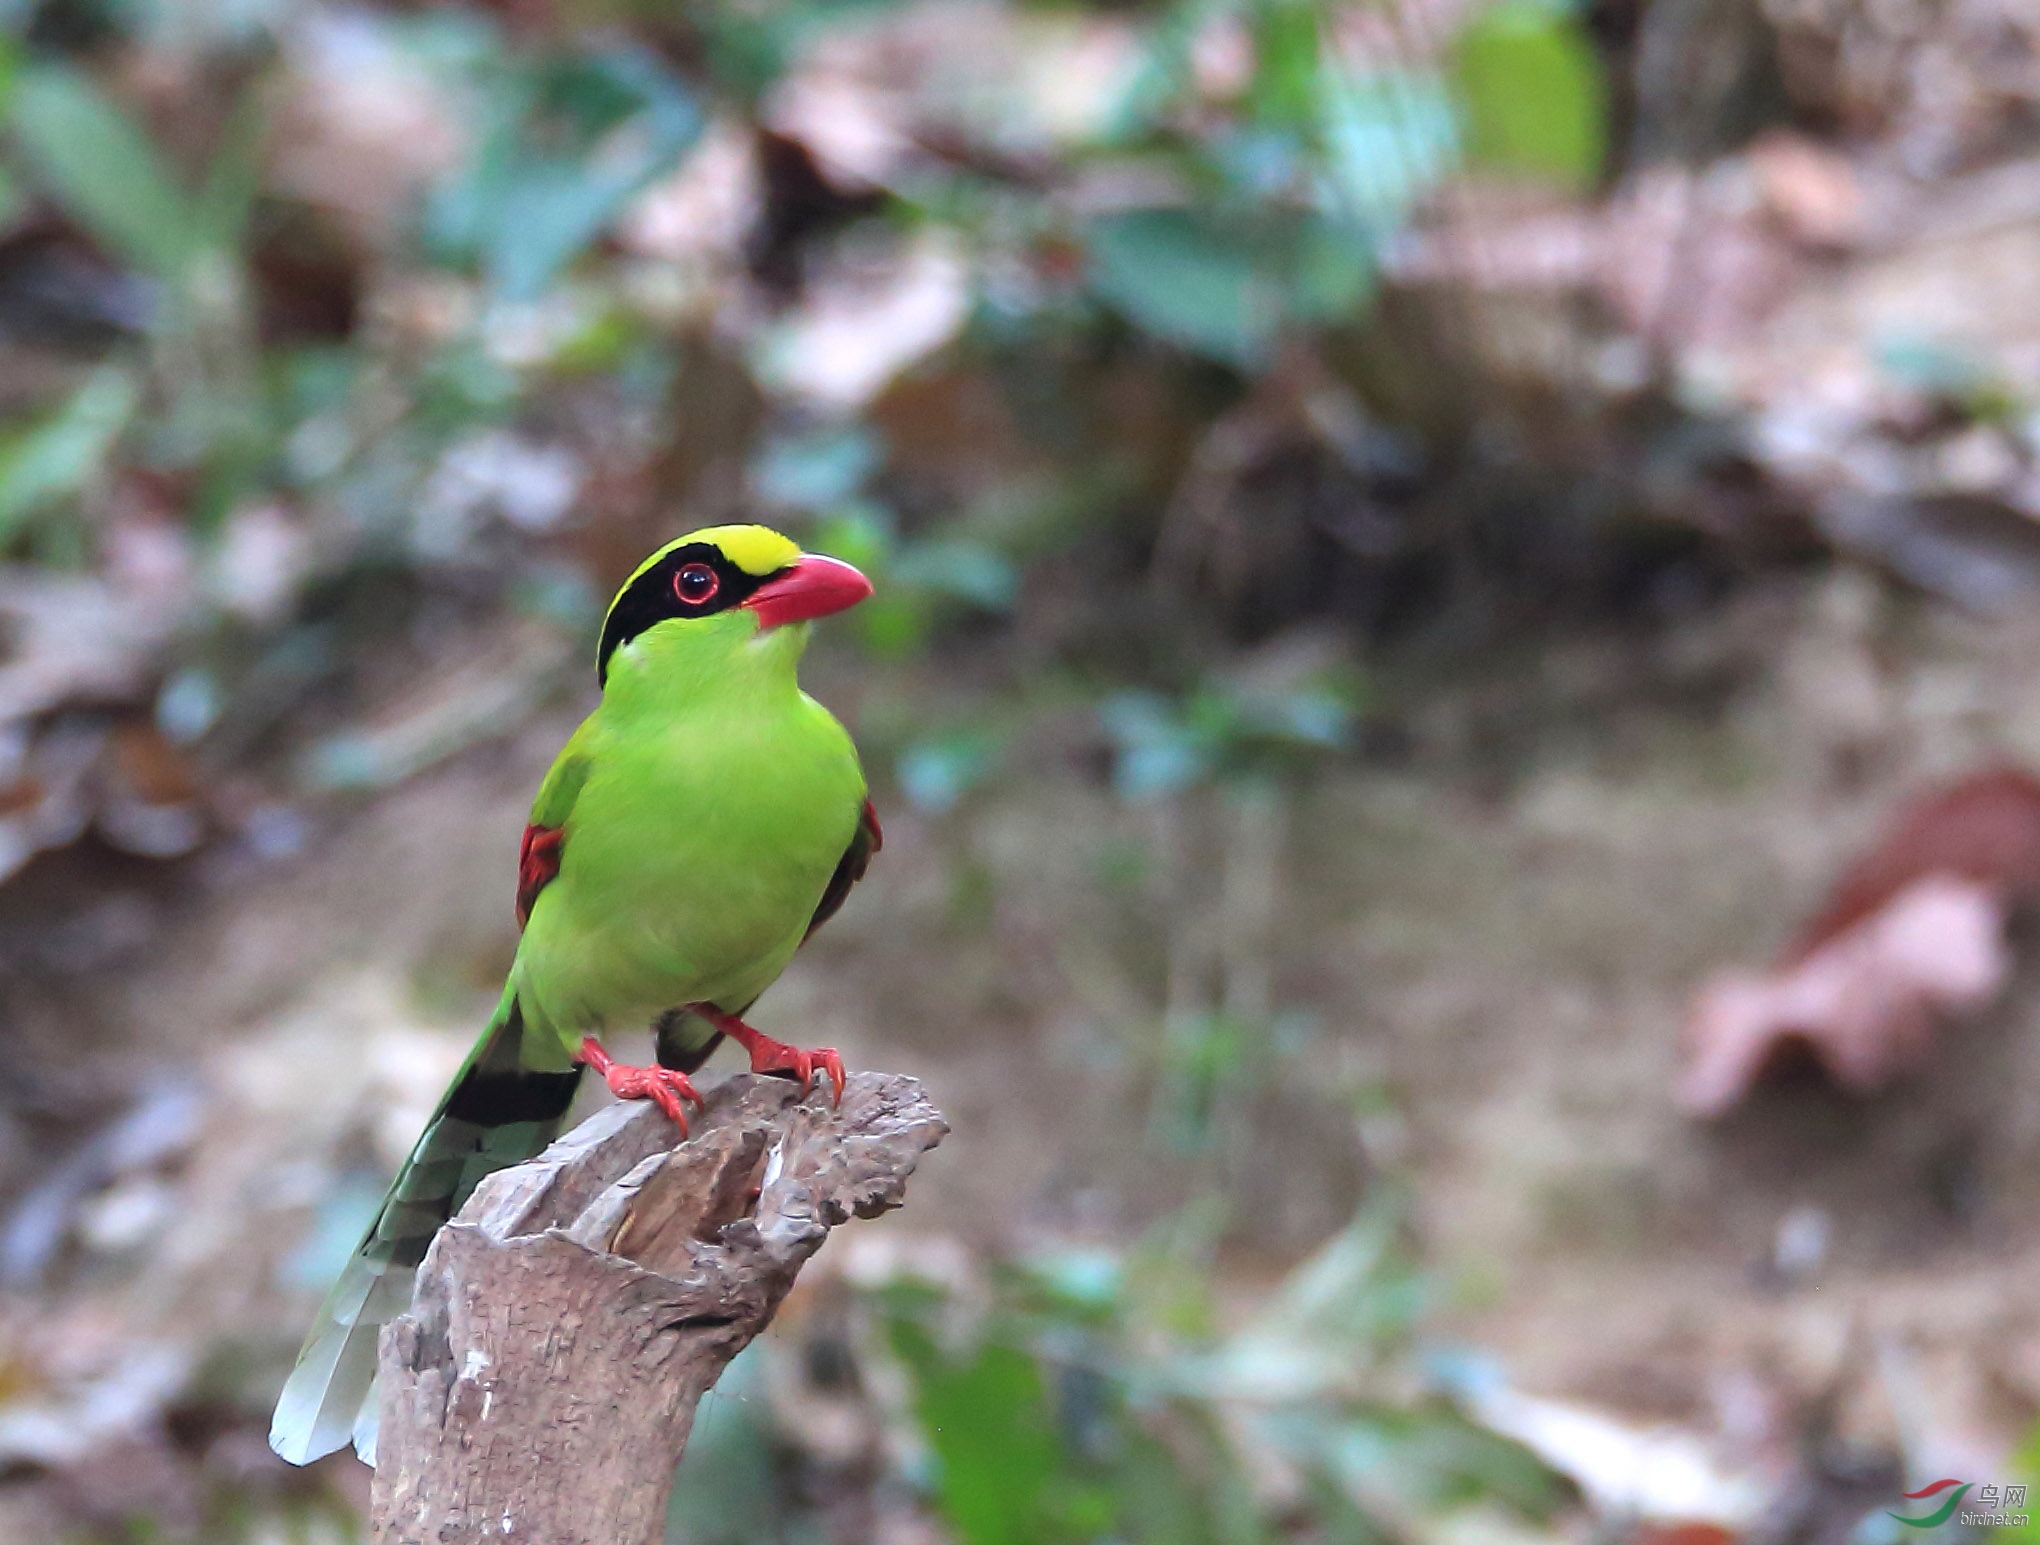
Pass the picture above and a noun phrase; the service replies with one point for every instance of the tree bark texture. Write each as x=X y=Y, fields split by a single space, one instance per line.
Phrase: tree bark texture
x=567 y=1322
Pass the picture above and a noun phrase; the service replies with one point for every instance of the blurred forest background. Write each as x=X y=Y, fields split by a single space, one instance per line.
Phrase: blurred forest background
x=1408 y=534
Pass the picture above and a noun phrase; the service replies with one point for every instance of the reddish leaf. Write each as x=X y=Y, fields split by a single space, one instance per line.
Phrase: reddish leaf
x=1912 y=932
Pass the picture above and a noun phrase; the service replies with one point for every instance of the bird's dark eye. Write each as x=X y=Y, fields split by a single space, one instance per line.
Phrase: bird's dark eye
x=696 y=583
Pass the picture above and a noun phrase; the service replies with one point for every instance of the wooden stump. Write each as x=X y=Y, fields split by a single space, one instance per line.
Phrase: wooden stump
x=567 y=1322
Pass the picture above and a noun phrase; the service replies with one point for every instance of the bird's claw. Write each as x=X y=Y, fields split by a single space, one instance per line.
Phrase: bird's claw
x=769 y=1056
x=780 y=1058
x=776 y=1057
x=664 y=1087
x=833 y=1066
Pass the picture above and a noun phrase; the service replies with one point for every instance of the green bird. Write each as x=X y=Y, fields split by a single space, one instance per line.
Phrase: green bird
x=699 y=825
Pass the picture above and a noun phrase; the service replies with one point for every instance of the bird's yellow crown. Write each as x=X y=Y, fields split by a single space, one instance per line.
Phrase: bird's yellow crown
x=757 y=550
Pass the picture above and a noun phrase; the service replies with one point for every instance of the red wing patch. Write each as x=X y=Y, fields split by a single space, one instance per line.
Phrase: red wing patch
x=538 y=860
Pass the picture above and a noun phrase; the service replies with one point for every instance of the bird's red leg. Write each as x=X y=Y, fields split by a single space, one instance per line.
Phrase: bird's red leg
x=663 y=1086
x=770 y=1056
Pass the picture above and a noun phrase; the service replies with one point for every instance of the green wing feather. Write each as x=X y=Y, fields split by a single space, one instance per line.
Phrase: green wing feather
x=555 y=799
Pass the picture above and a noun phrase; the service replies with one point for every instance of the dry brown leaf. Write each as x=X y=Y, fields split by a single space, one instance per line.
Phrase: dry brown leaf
x=1865 y=1003
x=1912 y=932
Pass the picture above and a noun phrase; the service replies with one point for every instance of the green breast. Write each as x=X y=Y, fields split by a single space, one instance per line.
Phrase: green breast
x=696 y=851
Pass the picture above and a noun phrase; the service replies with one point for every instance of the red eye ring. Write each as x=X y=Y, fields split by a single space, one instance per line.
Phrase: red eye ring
x=695 y=584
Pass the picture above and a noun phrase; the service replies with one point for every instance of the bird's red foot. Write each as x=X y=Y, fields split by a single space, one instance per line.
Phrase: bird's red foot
x=665 y=1087
x=770 y=1056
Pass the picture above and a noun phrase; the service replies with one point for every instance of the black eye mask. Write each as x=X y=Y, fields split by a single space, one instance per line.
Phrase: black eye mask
x=675 y=586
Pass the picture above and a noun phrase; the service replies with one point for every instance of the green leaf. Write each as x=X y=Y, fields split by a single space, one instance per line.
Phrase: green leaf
x=988 y=1422
x=1178 y=277
x=1532 y=93
x=1161 y=79
x=568 y=144
x=730 y=1489
x=960 y=568
x=894 y=627
x=1225 y=287
x=1158 y=752
x=1286 y=73
x=1329 y=271
x=234 y=176
x=1427 y=1455
x=56 y=458
x=94 y=161
x=1157 y=1500
x=1390 y=137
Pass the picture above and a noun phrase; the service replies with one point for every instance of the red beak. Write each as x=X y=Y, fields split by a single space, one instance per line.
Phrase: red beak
x=813 y=587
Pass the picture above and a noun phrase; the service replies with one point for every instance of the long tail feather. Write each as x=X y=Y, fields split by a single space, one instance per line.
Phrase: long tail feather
x=495 y=1114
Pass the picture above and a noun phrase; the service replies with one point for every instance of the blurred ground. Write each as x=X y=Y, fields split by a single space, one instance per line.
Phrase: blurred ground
x=1405 y=540
x=1496 y=966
